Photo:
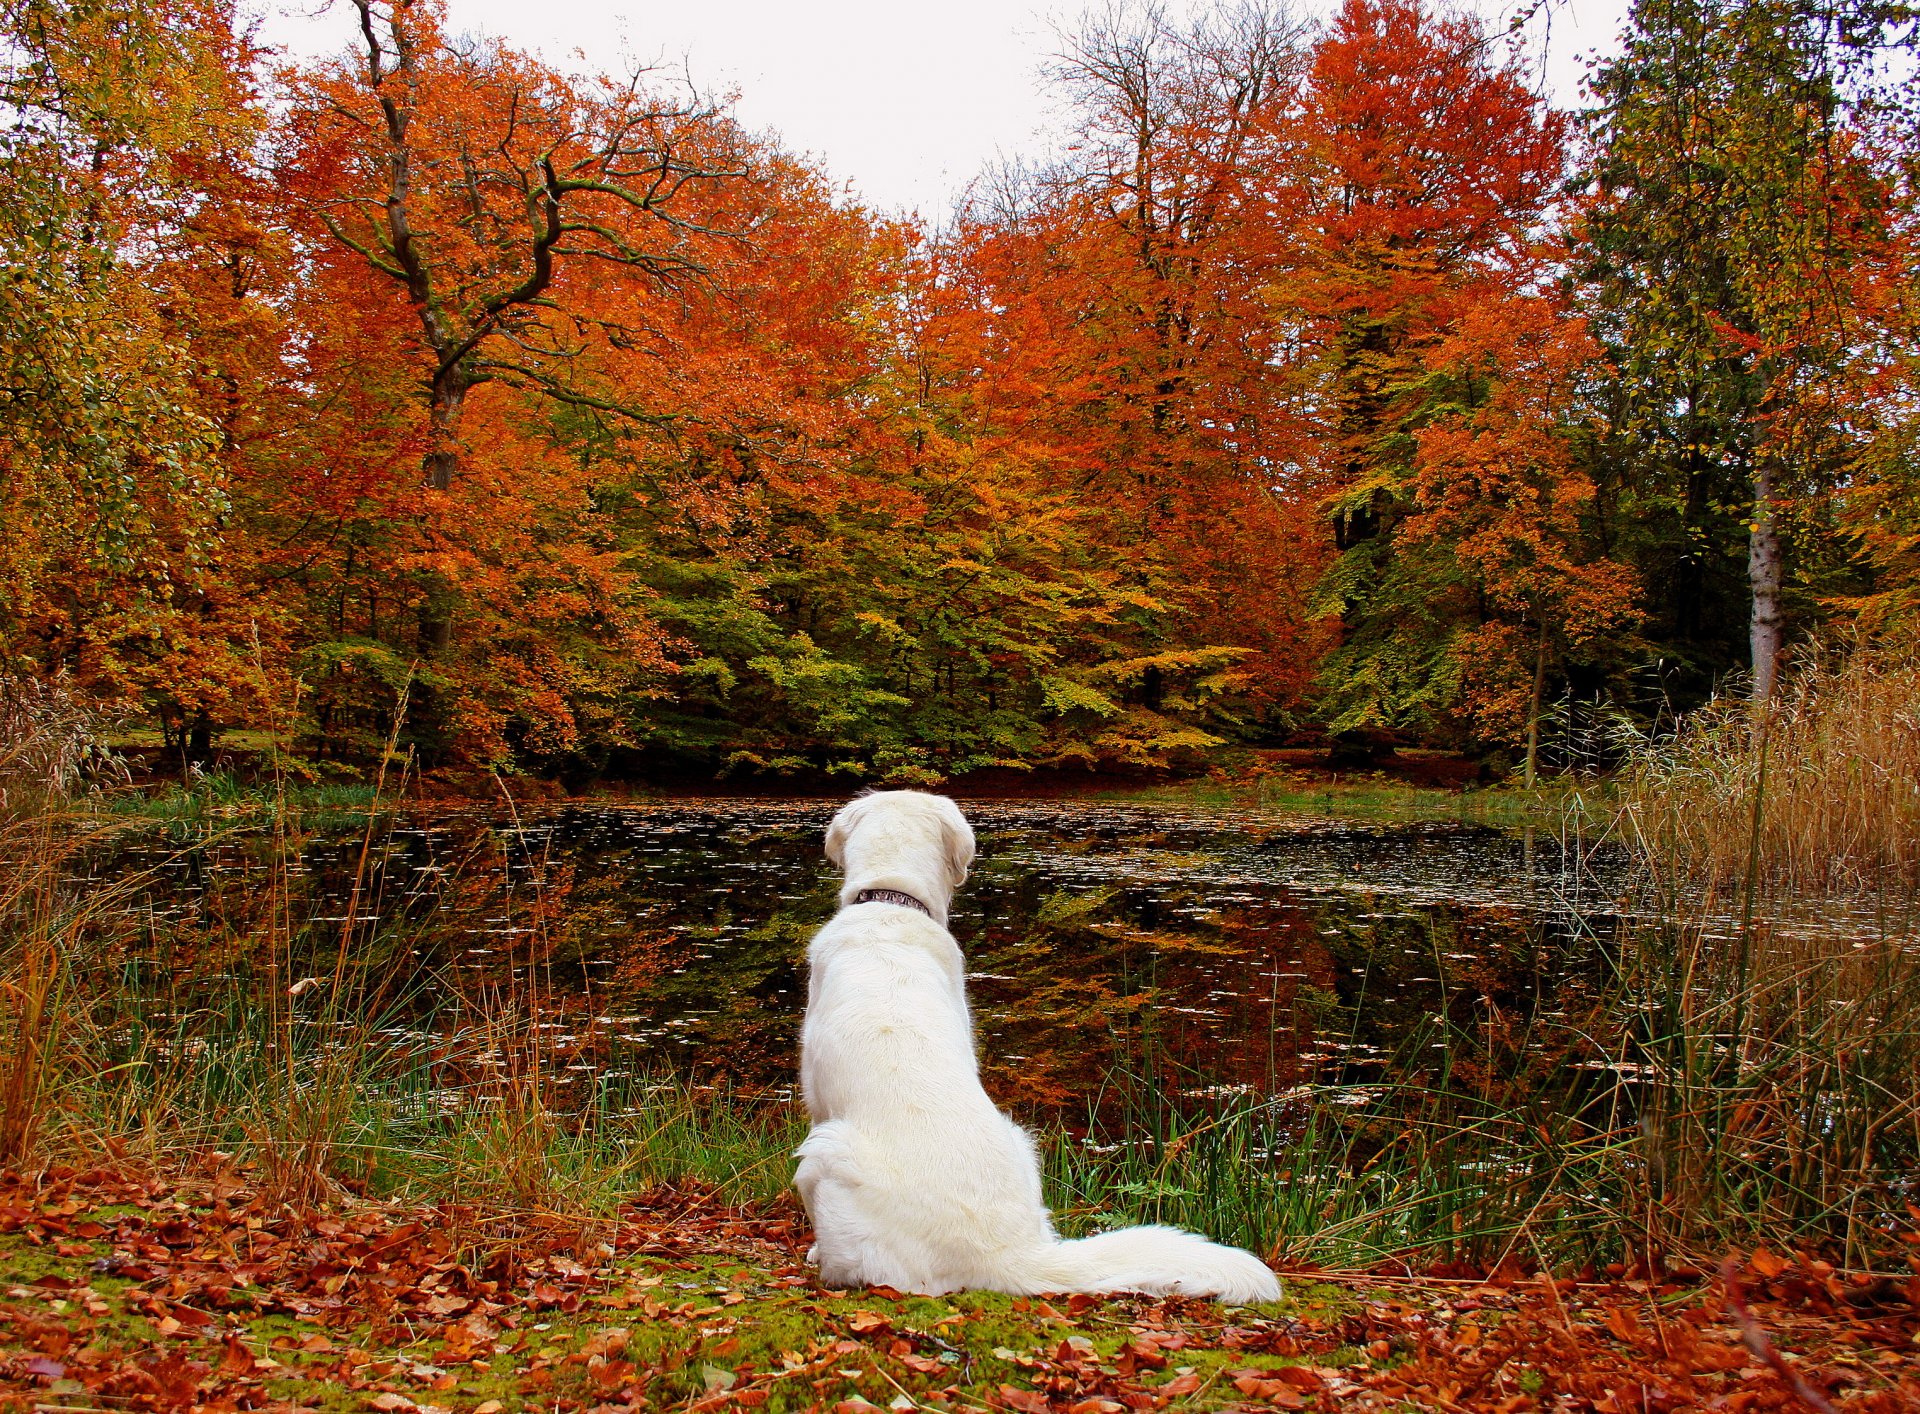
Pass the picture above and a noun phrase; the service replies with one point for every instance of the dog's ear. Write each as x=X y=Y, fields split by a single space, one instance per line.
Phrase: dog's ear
x=840 y=827
x=957 y=835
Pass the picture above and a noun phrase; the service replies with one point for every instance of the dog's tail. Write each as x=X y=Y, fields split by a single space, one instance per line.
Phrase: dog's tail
x=1162 y=1261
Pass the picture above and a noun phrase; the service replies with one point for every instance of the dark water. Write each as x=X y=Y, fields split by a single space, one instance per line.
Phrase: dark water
x=1239 y=948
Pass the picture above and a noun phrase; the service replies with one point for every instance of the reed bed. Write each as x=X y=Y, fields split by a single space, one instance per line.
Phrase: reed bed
x=1819 y=789
x=1680 y=1112
x=1677 y=1112
x=319 y=1052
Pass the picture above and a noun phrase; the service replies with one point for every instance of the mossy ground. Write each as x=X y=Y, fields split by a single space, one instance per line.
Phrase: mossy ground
x=201 y=1292
x=114 y=1299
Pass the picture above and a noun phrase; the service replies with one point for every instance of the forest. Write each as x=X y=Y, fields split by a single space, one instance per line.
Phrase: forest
x=467 y=524
x=1328 y=382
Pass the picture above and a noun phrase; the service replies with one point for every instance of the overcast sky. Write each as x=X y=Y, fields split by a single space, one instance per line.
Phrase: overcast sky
x=904 y=100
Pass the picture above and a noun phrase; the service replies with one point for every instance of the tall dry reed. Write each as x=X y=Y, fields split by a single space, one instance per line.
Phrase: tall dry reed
x=1819 y=789
x=52 y=740
x=52 y=744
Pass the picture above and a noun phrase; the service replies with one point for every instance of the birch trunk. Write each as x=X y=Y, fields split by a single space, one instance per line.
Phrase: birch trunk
x=1767 y=634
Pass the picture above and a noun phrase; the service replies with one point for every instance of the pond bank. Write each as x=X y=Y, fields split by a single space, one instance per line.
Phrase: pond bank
x=146 y=1290
x=1410 y=783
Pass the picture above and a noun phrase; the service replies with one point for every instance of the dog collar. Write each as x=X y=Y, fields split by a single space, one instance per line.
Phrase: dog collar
x=893 y=896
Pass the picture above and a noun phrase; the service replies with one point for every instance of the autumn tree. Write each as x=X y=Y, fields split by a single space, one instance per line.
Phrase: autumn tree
x=114 y=556
x=1741 y=226
x=1430 y=168
x=509 y=211
x=1510 y=578
x=1097 y=328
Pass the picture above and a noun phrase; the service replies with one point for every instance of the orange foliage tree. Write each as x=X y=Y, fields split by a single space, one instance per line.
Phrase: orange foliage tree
x=1103 y=322
x=1448 y=380
x=619 y=440
x=501 y=228
x=117 y=553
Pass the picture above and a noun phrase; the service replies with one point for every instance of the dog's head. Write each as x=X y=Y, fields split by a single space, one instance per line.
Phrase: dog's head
x=905 y=813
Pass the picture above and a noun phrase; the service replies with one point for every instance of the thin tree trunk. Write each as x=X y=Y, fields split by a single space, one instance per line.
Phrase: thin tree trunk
x=1767 y=634
x=199 y=738
x=1533 y=716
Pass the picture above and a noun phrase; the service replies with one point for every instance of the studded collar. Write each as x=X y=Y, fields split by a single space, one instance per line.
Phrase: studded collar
x=893 y=896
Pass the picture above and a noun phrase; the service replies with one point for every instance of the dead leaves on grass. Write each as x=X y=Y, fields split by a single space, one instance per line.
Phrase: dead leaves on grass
x=407 y=1307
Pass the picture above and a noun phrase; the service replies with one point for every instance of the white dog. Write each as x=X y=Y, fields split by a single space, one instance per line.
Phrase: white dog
x=911 y=1176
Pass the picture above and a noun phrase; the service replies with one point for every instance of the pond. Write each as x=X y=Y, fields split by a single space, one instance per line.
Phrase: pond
x=1239 y=948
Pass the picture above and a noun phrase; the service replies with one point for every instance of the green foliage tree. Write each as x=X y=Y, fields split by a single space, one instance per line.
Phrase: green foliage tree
x=1741 y=214
x=1429 y=167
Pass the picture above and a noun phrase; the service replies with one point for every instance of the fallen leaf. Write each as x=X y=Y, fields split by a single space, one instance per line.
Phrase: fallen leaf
x=237 y=1364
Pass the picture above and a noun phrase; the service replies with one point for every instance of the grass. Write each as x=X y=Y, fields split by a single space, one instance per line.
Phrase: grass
x=1673 y=1116
x=1369 y=796
x=223 y=797
x=358 y=1086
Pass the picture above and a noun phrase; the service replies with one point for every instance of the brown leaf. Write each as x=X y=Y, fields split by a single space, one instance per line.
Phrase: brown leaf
x=1766 y=1264
x=237 y=1364
x=1625 y=1325
x=1146 y=1357
x=609 y=1376
x=868 y=1323
x=1255 y=1384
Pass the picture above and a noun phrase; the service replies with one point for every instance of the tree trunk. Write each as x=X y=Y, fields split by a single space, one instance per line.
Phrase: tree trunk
x=195 y=742
x=1767 y=634
x=1533 y=716
x=436 y=610
x=449 y=395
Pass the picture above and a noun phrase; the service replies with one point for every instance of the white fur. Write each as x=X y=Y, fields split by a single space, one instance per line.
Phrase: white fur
x=912 y=1177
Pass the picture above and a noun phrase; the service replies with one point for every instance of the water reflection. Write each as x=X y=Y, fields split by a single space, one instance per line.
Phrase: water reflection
x=1243 y=948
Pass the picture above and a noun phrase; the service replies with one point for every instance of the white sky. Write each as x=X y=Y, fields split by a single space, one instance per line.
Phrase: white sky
x=904 y=100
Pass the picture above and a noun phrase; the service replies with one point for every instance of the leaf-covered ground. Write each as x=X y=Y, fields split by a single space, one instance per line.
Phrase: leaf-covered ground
x=121 y=1291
